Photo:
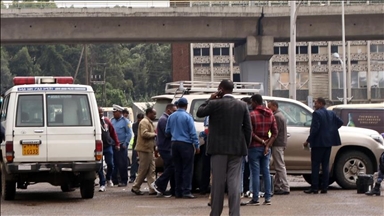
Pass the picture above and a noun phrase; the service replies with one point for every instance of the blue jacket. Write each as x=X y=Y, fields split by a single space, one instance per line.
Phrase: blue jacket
x=123 y=130
x=324 y=129
x=181 y=127
x=163 y=142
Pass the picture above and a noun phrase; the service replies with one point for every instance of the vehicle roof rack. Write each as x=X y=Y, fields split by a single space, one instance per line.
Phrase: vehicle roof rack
x=211 y=87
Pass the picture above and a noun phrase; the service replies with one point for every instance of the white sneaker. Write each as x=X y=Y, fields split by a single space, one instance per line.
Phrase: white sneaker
x=102 y=188
x=109 y=183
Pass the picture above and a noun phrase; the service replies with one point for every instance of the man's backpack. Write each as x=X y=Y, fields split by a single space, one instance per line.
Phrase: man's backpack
x=105 y=136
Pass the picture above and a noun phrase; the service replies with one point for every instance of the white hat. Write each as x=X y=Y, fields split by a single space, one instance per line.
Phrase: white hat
x=117 y=108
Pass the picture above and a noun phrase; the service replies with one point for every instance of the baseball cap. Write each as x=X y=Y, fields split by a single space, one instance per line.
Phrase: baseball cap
x=182 y=101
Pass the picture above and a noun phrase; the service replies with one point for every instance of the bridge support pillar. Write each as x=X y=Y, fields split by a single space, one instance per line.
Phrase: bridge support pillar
x=253 y=58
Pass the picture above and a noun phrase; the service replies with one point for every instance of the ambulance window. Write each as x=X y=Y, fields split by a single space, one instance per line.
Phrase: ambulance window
x=30 y=111
x=68 y=110
x=4 y=108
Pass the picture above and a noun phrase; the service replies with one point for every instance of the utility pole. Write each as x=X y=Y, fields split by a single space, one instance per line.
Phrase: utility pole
x=86 y=65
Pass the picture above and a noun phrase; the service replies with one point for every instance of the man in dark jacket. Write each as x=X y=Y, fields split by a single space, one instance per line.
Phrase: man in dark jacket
x=323 y=135
x=163 y=144
x=135 y=165
x=228 y=140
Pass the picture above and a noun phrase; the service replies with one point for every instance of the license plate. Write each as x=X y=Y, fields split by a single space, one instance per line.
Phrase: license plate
x=29 y=149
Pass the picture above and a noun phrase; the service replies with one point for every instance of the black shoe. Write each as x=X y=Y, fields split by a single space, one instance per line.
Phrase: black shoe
x=311 y=191
x=137 y=192
x=209 y=204
x=152 y=193
x=323 y=191
x=122 y=185
x=132 y=180
x=188 y=196
x=250 y=202
x=281 y=192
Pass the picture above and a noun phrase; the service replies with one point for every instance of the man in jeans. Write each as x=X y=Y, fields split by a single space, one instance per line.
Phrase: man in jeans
x=135 y=165
x=164 y=147
x=259 y=152
x=108 y=141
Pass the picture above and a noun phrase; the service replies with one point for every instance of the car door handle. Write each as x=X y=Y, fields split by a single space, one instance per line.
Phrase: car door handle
x=288 y=135
x=38 y=131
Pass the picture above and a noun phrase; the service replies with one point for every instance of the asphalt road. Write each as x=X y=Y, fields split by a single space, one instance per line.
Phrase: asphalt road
x=44 y=199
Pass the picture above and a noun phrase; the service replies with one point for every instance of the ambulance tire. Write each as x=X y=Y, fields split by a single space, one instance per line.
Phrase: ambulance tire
x=8 y=188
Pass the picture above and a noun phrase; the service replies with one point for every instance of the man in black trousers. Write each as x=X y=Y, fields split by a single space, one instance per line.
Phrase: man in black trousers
x=323 y=135
x=228 y=141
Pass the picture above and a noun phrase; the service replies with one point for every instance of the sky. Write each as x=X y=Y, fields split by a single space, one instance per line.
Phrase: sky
x=95 y=4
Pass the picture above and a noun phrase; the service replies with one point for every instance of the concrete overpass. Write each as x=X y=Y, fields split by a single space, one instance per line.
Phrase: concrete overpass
x=188 y=24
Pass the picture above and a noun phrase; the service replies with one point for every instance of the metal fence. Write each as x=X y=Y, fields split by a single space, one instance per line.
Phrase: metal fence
x=171 y=3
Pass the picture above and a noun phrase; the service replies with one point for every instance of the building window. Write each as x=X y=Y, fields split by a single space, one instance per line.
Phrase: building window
x=276 y=50
x=216 y=64
x=376 y=48
x=315 y=49
x=359 y=79
x=354 y=62
x=284 y=50
x=335 y=62
x=225 y=51
x=334 y=49
x=301 y=50
x=216 y=51
x=337 y=80
x=205 y=51
x=196 y=52
x=205 y=65
x=280 y=63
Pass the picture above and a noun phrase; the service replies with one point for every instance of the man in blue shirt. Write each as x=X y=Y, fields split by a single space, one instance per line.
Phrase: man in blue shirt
x=124 y=134
x=185 y=144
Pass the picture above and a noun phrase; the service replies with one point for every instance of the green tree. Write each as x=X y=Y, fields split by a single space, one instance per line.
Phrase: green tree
x=22 y=64
x=52 y=63
x=33 y=4
x=6 y=75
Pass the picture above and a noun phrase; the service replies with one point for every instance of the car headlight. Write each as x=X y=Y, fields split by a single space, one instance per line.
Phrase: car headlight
x=378 y=138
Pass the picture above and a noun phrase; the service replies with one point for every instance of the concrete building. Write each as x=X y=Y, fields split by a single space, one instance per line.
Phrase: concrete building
x=314 y=60
x=365 y=60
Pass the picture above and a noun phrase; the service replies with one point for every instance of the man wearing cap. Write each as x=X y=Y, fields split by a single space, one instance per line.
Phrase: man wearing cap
x=124 y=134
x=185 y=144
x=228 y=140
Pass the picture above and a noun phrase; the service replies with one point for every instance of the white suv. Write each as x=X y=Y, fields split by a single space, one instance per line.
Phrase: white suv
x=359 y=152
x=52 y=134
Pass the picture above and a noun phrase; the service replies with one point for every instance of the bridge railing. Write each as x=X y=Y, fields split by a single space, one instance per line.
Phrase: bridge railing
x=176 y=3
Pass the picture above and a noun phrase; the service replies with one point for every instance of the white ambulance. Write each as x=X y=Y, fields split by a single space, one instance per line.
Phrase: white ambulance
x=52 y=134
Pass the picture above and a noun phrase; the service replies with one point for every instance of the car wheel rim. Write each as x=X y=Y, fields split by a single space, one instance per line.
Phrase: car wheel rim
x=352 y=168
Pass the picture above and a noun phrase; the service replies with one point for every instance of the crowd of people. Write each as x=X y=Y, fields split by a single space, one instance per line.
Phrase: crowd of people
x=240 y=138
